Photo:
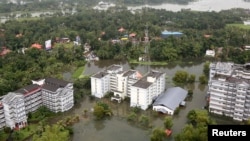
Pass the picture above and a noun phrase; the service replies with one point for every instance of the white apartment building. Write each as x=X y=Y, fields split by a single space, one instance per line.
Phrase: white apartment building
x=229 y=90
x=145 y=90
x=113 y=70
x=57 y=95
x=32 y=97
x=14 y=110
x=105 y=81
x=100 y=84
x=125 y=80
x=2 y=117
x=222 y=68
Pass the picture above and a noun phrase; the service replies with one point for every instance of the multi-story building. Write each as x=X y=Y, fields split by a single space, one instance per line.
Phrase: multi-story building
x=125 y=80
x=14 y=110
x=105 y=81
x=222 y=68
x=57 y=95
x=100 y=84
x=32 y=97
x=229 y=90
x=113 y=70
x=2 y=117
x=145 y=90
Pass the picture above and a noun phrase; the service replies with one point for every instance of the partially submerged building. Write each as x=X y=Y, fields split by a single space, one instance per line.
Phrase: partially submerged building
x=145 y=90
x=229 y=90
x=170 y=100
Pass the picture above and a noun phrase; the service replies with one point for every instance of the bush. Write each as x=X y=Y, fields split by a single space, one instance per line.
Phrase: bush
x=132 y=117
x=7 y=129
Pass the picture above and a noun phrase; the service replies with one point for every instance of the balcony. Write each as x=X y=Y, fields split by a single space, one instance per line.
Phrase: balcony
x=239 y=110
x=239 y=105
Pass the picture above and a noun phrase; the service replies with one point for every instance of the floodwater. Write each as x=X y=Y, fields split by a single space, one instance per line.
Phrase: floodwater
x=117 y=127
x=200 y=5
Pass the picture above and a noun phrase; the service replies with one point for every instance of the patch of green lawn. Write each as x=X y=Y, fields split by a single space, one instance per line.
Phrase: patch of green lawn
x=78 y=73
x=147 y=63
x=242 y=26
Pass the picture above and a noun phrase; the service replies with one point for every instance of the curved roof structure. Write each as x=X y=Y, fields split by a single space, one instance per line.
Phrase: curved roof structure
x=171 y=98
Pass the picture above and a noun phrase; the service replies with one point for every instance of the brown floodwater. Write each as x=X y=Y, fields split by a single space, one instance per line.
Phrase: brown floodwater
x=117 y=128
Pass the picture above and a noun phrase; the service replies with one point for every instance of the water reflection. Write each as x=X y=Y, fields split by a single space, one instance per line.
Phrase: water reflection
x=99 y=124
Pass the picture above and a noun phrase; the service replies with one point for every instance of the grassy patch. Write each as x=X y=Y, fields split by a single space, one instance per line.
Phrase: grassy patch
x=242 y=26
x=147 y=63
x=78 y=73
x=68 y=45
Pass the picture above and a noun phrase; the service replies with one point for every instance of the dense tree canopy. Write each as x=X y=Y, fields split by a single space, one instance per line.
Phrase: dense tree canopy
x=196 y=128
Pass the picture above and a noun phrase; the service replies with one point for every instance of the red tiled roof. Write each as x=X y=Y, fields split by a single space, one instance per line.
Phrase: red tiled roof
x=4 y=51
x=121 y=29
x=207 y=35
x=38 y=46
x=132 y=35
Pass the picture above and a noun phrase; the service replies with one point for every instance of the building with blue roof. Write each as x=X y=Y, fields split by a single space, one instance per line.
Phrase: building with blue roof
x=166 y=34
x=171 y=99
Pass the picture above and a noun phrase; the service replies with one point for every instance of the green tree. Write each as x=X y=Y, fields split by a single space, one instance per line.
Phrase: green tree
x=99 y=112
x=53 y=132
x=102 y=110
x=191 y=78
x=203 y=79
x=132 y=117
x=206 y=69
x=191 y=133
x=158 y=135
x=144 y=120
x=199 y=117
x=168 y=122
x=180 y=77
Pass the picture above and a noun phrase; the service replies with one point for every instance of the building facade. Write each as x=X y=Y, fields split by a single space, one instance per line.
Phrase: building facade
x=113 y=70
x=57 y=95
x=145 y=90
x=125 y=80
x=105 y=81
x=100 y=84
x=32 y=97
x=14 y=110
x=229 y=90
x=2 y=117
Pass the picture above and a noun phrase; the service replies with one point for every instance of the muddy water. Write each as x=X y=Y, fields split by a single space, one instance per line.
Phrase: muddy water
x=118 y=128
